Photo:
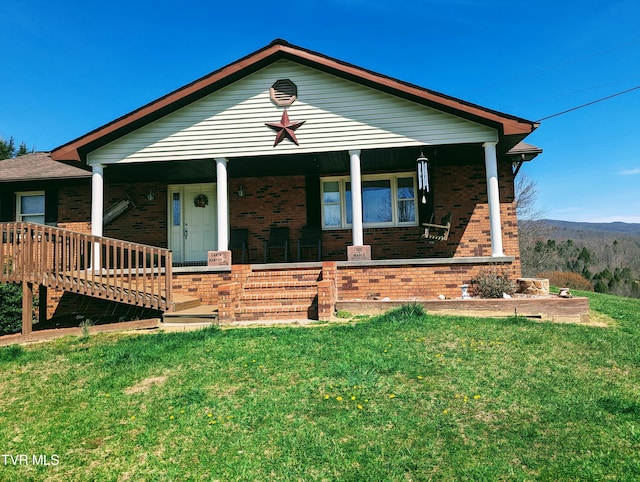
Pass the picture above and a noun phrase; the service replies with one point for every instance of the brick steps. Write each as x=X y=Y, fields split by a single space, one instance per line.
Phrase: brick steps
x=280 y=285
x=276 y=312
x=280 y=294
x=286 y=297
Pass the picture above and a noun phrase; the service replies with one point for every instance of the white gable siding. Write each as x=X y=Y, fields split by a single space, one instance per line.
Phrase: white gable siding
x=338 y=115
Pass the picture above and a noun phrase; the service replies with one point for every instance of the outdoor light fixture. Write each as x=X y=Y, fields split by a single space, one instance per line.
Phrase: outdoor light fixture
x=150 y=195
x=423 y=176
x=241 y=191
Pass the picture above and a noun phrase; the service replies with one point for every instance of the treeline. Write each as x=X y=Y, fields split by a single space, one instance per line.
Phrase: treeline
x=606 y=263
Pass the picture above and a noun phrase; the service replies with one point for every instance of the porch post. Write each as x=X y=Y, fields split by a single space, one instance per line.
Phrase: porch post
x=357 y=251
x=493 y=193
x=97 y=208
x=222 y=203
x=356 y=198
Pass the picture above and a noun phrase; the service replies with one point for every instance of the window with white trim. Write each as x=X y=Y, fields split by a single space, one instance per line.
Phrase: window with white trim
x=30 y=207
x=387 y=200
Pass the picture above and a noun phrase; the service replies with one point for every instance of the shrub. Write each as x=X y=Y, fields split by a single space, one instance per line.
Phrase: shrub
x=563 y=279
x=11 y=353
x=492 y=283
x=405 y=313
x=10 y=308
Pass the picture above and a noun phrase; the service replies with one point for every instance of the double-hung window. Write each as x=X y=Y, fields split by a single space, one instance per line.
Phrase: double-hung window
x=387 y=200
x=30 y=207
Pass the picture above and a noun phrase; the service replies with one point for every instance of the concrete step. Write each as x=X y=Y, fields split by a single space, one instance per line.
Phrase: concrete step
x=197 y=314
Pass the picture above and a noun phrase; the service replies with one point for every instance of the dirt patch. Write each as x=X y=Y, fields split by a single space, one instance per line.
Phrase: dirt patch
x=145 y=384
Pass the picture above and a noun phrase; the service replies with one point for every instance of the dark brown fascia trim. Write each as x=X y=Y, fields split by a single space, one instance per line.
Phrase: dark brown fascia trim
x=511 y=124
x=77 y=149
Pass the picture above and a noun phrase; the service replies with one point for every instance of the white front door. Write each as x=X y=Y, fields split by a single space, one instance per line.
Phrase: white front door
x=192 y=221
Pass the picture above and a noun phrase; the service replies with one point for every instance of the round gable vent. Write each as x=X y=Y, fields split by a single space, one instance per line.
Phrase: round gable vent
x=283 y=92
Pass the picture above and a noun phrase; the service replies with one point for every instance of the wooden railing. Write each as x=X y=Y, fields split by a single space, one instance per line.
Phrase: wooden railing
x=95 y=266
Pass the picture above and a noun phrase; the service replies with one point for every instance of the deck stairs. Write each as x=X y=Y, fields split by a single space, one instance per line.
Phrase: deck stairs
x=279 y=294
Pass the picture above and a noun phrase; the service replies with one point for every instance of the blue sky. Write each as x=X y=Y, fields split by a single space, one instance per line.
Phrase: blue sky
x=69 y=67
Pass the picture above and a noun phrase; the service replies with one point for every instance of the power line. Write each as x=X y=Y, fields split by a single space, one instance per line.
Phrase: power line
x=590 y=103
x=574 y=60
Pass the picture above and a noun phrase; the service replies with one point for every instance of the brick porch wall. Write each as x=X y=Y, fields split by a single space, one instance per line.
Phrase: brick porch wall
x=406 y=282
x=201 y=285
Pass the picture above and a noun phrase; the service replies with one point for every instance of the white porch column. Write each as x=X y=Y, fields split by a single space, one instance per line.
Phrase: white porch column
x=356 y=198
x=97 y=208
x=493 y=193
x=222 y=203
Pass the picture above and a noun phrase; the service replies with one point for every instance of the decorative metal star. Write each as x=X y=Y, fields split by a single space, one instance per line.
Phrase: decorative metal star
x=285 y=129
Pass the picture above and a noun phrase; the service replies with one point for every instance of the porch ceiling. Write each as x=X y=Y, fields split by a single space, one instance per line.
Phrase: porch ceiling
x=326 y=163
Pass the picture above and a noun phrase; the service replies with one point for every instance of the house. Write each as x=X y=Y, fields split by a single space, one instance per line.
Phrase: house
x=350 y=161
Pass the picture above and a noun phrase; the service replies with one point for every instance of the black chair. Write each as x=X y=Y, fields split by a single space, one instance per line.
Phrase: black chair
x=312 y=239
x=239 y=240
x=278 y=240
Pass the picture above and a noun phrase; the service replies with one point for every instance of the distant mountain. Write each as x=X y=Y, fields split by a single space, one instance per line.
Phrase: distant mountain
x=630 y=229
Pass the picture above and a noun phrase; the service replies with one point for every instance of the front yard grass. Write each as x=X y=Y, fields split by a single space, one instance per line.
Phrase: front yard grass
x=403 y=397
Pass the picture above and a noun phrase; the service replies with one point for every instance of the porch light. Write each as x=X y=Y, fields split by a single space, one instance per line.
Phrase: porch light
x=150 y=195
x=241 y=191
x=423 y=176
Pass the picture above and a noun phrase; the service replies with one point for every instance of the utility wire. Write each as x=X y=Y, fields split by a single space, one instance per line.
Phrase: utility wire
x=590 y=103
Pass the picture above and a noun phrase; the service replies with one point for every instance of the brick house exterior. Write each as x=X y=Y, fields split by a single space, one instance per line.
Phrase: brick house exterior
x=360 y=128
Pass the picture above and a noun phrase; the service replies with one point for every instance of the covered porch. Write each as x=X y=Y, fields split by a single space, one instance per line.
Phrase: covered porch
x=351 y=199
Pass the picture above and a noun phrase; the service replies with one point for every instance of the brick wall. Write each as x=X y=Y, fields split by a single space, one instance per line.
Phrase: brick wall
x=405 y=282
x=268 y=201
x=74 y=208
x=203 y=286
x=147 y=222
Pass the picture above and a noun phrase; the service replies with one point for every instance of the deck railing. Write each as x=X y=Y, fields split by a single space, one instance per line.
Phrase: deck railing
x=95 y=266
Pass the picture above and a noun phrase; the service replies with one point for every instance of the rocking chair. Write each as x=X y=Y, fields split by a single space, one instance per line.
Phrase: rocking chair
x=278 y=240
x=239 y=240
x=438 y=232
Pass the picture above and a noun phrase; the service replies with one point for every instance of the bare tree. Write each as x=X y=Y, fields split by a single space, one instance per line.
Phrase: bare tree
x=532 y=232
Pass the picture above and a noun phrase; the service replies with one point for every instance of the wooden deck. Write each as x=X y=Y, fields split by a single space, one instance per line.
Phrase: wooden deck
x=96 y=266
x=104 y=268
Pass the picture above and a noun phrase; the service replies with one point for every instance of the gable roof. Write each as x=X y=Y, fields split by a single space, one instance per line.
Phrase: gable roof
x=38 y=166
x=510 y=128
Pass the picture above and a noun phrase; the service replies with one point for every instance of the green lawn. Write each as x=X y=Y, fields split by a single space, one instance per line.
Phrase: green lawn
x=400 y=397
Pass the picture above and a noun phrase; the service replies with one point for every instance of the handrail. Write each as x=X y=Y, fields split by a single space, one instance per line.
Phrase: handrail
x=96 y=266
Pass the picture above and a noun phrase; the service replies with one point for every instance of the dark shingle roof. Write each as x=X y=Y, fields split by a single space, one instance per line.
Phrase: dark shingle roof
x=38 y=166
